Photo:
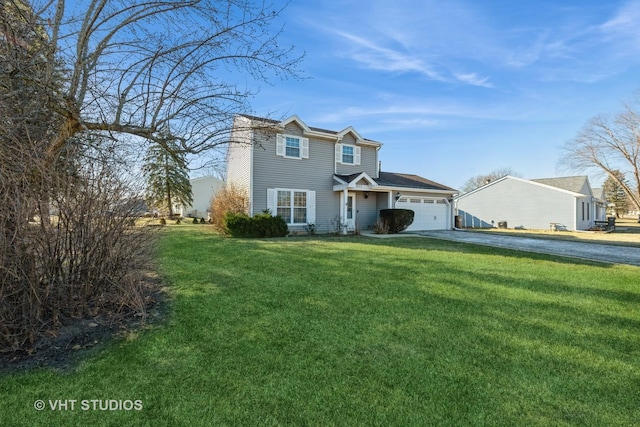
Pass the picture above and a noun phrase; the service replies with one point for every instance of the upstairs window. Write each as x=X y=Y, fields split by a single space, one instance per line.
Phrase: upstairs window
x=292 y=147
x=347 y=154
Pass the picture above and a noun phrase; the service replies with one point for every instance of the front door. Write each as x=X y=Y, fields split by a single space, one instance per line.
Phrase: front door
x=350 y=212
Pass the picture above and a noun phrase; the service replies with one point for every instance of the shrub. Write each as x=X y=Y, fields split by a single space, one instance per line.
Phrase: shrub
x=396 y=220
x=266 y=225
x=237 y=224
x=380 y=227
x=230 y=199
x=311 y=229
x=261 y=225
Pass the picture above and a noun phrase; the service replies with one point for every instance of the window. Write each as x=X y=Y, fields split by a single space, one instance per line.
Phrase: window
x=296 y=207
x=347 y=154
x=292 y=147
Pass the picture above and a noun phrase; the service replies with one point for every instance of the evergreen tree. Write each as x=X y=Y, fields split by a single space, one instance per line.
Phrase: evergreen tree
x=615 y=193
x=167 y=177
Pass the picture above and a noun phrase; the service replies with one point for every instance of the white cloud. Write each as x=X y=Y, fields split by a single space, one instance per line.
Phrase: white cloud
x=622 y=31
x=474 y=80
x=381 y=58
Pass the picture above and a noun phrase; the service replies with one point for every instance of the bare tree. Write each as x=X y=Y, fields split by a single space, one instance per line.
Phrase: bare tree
x=610 y=145
x=140 y=66
x=480 y=180
x=76 y=80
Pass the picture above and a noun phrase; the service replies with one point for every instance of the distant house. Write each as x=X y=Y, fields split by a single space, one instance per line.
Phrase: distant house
x=203 y=188
x=567 y=203
x=329 y=179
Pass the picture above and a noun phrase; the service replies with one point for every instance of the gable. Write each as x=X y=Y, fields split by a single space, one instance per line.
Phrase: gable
x=294 y=128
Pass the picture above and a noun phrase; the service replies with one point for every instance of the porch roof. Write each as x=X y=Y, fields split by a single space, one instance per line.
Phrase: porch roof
x=398 y=180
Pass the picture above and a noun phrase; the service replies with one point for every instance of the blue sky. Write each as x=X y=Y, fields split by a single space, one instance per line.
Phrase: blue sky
x=455 y=89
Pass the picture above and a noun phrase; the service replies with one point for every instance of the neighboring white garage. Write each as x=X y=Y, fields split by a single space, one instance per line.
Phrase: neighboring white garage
x=429 y=213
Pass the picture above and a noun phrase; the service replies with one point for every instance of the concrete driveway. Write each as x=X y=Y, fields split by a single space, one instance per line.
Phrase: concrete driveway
x=592 y=251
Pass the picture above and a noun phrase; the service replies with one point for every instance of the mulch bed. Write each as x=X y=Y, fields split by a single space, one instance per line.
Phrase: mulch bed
x=79 y=338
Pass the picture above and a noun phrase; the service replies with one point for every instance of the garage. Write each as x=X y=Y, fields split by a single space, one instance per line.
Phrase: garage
x=430 y=214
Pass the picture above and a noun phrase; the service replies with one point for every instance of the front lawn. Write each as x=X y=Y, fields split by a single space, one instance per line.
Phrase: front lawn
x=361 y=331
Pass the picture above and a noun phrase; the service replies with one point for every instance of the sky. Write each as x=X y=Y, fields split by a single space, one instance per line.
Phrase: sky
x=455 y=89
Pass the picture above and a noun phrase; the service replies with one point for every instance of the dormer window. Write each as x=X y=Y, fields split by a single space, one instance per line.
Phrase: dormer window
x=347 y=154
x=292 y=146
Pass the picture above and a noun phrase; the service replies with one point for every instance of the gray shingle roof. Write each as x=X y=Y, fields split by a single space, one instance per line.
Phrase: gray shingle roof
x=401 y=180
x=569 y=183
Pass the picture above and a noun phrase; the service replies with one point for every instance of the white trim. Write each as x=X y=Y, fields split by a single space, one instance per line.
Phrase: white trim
x=357 y=154
x=281 y=146
x=308 y=132
x=272 y=203
x=353 y=183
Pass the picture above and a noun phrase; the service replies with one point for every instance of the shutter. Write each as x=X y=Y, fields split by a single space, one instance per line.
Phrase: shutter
x=279 y=145
x=272 y=201
x=311 y=207
x=356 y=156
x=338 y=153
x=305 y=147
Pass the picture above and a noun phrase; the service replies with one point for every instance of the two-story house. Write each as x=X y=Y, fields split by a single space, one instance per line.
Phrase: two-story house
x=331 y=179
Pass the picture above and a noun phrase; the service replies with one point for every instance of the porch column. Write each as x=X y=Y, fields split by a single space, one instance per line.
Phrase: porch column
x=343 y=210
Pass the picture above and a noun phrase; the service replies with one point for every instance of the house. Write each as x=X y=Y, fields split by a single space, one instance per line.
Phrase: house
x=331 y=179
x=566 y=203
x=203 y=189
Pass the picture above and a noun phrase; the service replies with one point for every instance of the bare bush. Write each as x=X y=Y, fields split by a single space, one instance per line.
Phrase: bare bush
x=84 y=260
x=231 y=199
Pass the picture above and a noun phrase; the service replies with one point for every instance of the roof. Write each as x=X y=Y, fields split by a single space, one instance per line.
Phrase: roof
x=599 y=194
x=409 y=181
x=564 y=184
x=311 y=128
x=401 y=180
x=569 y=183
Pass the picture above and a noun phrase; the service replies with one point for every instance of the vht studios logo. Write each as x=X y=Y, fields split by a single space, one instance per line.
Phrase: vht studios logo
x=88 y=405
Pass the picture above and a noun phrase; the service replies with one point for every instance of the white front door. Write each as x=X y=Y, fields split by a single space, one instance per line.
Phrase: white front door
x=349 y=212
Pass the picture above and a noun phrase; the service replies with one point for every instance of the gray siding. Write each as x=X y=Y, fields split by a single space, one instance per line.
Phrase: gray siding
x=314 y=173
x=382 y=201
x=519 y=203
x=368 y=159
x=367 y=211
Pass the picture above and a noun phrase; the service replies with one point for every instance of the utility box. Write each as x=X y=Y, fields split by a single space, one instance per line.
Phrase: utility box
x=502 y=224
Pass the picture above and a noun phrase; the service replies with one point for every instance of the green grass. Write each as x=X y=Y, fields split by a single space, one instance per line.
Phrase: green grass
x=362 y=331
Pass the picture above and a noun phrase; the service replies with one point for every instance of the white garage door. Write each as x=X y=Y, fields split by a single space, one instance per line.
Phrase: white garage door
x=429 y=214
